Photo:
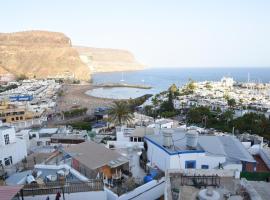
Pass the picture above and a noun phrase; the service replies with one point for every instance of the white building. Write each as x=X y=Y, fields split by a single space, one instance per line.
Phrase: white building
x=12 y=149
x=179 y=149
x=129 y=137
x=162 y=123
x=227 y=82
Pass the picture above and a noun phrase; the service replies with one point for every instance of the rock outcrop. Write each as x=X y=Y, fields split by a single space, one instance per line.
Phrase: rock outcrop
x=40 y=54
x=108 y=60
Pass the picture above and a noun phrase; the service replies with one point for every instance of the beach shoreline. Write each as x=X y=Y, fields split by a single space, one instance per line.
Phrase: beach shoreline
x=74 y=95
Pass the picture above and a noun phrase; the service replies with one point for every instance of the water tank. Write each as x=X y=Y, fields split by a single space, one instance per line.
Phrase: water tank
x=153 y=173
x=192 y=139
x=147 y=179
x=167 y=138
x=208 y=194
x=30 y=179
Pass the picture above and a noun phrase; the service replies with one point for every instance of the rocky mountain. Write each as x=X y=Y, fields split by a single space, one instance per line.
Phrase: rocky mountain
x=108 y=60
x=40 y=54
x=43 y=54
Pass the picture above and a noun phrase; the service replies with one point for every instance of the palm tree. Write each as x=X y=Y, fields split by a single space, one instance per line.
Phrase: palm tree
x=155 y=103
x=120 y=113
x=228 y=116
x=231 y=103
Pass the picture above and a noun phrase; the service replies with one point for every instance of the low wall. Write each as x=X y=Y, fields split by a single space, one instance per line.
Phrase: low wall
x=67 y=167
x=253 y=194
x=206 y=172
x=123 y=144
x=151 y=190
x=96 y=195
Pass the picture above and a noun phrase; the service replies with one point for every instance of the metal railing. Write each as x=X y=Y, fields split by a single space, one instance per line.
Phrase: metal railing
x=200 y=181
x=63 y=187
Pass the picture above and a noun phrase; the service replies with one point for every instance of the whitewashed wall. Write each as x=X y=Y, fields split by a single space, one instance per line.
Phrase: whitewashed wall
x=17 y=150
x=201 y=159
x=164 y=161
x=157 y=156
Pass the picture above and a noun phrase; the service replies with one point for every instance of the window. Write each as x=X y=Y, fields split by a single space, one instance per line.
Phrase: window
x=17 y=118
x=12 y=119
x=6 y=137
x=190 y=164
x=8 y=161
x=205 y=166
x=131 y=139
x=21 y=118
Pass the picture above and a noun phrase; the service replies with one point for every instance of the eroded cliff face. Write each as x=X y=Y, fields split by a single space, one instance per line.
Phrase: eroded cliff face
x=108 y=60
x=40 y=54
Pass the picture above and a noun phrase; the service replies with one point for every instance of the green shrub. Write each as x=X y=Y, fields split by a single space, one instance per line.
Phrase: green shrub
x=81 y=125
x=255 y=176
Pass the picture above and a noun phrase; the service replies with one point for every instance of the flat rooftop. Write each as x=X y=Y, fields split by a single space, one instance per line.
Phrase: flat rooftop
x=227 y=146
x=64 y=136
x=188 y=185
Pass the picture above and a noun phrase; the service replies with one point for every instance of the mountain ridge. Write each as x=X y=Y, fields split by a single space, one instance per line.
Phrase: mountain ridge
x=44 y=54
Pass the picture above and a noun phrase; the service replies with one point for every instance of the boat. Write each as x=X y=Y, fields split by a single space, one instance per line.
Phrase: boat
x=122 y=80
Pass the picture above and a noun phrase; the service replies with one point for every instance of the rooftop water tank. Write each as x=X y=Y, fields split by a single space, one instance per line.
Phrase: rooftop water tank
x=192 y=139
x=208 y=194
x=167 y=138
x=147 y=179
x=30 y=179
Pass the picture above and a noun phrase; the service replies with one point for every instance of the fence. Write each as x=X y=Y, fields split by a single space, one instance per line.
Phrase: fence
x=199 y=181
x=63 y=187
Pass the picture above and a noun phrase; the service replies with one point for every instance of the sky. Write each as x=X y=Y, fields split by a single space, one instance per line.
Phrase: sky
x=160 y=33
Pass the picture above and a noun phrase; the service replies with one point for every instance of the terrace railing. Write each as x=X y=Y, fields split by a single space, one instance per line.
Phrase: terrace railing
x=200 y=181
x=63 y=187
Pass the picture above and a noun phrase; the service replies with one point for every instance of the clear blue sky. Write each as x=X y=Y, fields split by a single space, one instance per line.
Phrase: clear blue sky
x=159 y=32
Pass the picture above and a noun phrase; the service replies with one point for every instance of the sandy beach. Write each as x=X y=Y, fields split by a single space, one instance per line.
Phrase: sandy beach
x=74 y=95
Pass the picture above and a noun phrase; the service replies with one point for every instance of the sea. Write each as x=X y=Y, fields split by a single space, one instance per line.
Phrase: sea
x=161 y=79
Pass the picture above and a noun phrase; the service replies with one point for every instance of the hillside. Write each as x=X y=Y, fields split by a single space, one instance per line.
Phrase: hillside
x=40 y=54
x=108 y=60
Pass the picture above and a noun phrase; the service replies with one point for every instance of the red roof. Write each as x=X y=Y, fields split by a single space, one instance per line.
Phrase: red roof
x=8 y=192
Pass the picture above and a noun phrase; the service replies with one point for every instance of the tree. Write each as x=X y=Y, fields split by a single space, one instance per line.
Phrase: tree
x=228 y=116
x=199 y=115
x=21 y=77
x=120 y=113
x=167 y=105
x=208 y=86
x=218 y=110
x=173 y=89
x=226 y=96
x=155 y=101
x=191 y=86
x=231 y=103
x=241 y=101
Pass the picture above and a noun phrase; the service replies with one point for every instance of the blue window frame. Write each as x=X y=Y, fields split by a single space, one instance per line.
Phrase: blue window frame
x=190 y=164
x=205 y=166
